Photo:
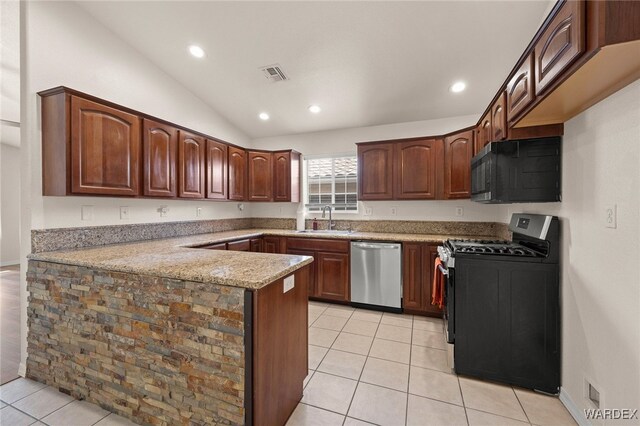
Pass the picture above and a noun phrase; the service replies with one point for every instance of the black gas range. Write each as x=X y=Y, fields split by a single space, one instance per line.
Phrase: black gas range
x=502 y=308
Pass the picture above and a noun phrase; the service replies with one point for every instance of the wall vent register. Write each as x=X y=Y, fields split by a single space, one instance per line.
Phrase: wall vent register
x=274 y=73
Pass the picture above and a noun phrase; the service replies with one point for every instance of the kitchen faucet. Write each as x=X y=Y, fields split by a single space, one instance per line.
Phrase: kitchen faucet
x=331 y=224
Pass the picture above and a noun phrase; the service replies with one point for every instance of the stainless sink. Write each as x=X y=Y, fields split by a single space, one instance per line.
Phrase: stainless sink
x=325 y=231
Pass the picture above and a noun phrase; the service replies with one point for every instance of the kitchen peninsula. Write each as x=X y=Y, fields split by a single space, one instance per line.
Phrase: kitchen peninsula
x=163 y=333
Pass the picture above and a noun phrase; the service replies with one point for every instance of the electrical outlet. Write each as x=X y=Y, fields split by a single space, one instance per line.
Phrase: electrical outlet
x=394 y=211
x=368 y=211
x=198 y=211
x=459 y=211
x=164 y=211
x=124 y=213
x=611 y=216
x=87 y=212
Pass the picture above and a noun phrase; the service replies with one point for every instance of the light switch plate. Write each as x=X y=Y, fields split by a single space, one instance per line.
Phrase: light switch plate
x=610 y=216
x=289 y=283
x=124 y=213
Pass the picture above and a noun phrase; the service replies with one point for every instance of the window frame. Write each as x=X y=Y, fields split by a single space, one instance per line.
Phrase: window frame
x=316 y=208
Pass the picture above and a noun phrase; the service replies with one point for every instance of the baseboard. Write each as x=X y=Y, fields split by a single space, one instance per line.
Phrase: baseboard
x=576 y=413
x=22 y=370
x=9 y=263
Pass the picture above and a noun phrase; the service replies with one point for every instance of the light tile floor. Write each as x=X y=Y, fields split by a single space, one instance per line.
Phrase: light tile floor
x=25 y=402
x=367 y=367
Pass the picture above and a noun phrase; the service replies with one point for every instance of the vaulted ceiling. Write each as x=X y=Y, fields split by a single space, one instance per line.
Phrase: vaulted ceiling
x=363 y=63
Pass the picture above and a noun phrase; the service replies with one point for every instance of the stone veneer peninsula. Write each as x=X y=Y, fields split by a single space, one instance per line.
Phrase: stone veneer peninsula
x=164 y=333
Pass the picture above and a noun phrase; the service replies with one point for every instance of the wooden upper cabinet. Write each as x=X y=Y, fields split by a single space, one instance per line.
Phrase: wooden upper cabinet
x=191 y=152
x=520 y=90
x=499 y=119
x=260 y=176
x=237 y=173
x=105 y=149
x=560 y=44
x=216 y=170
x=286 y=176
x=375 y=171
x=159 y=153
x=483 y=133
x=458 y=150
x=415 y=165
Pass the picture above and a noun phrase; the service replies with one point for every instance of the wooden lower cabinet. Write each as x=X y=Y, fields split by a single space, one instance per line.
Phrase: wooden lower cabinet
x=272 y=245
x=312 y=270
x=240 y=245
x=277 y=355
x=417 y=274
x=256 y=245
x=330 y=272
x=333 y=276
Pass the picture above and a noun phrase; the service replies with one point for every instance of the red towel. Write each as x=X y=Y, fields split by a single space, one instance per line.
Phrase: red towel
x=437 y=292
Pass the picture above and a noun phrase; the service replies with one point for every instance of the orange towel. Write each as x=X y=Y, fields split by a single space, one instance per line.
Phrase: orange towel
x=437 y=292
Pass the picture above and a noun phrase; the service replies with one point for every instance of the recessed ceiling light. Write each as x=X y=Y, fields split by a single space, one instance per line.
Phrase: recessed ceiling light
x=314 y=109
x=458 y=86
x=196 y=51
x=263 y=116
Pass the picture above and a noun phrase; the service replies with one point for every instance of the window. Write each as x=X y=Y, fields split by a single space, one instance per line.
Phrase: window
x=332 y=181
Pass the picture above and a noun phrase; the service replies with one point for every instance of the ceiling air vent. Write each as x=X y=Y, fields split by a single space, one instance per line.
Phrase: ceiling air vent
x=274 y=73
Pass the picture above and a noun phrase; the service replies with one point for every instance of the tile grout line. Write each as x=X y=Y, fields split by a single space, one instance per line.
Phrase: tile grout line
x=521 y=406
x=362 y=371
x=406 y=412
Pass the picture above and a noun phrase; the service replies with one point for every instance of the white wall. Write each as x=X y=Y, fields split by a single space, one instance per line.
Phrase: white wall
x=9 y=204
x=601 y=266
x=344 y=140
x=66 y=46
x=62 y=45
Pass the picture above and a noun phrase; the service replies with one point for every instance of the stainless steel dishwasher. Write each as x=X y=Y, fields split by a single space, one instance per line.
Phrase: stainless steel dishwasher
x=376 y=274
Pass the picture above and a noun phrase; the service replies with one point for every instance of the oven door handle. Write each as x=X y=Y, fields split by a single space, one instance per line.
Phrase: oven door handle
x=442 y=270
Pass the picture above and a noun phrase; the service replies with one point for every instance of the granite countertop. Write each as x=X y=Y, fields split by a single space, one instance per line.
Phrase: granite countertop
x=178 y=259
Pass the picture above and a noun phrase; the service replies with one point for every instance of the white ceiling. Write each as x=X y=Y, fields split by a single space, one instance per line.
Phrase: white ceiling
x=364 y=63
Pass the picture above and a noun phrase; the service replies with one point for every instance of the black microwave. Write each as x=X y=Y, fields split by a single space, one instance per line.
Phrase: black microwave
x=518 y=171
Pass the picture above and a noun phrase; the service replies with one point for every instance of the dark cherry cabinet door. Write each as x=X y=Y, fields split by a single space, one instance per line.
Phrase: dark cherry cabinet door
x=375 y=171
x=256 y=245
x=415 y=170
x=458 y=149
x=313 y=291
x=191 y=151
x=499 y=119
x=160 y=151
x=286 y=176
x=105 y=149
x=483 y=134
x=560 y=44
x=520 y=90
x=282 y=176
x=271 y=244
x=237 y=173
x=332 y=276
x=240 y=245
x=260 y=176
x=412 y=276
x=216 y=170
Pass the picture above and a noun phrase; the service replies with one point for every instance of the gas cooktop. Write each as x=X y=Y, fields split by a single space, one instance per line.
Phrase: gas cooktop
x=495 y=247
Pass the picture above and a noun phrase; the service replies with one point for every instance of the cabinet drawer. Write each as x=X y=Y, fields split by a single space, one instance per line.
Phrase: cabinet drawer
x=316 y=244
x=241 y=245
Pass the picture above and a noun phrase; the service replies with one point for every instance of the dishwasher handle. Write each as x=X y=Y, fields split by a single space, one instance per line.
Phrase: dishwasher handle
x=376 y=246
